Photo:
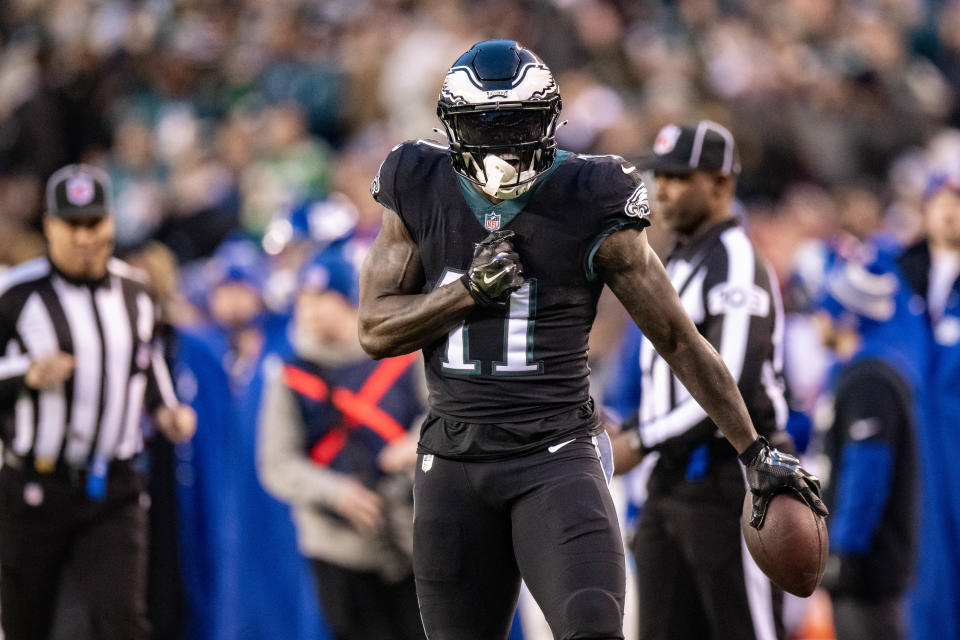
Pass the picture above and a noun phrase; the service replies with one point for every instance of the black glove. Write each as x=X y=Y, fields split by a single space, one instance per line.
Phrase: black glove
x=495 y=272
x=770 y=472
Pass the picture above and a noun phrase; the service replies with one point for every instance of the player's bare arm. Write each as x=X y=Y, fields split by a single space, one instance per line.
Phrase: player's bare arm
x=394 y=317
x=636 y=276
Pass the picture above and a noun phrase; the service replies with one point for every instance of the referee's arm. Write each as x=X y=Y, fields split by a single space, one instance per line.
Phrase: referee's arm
x=177 y=422
x=13 y=364
x=18 y=368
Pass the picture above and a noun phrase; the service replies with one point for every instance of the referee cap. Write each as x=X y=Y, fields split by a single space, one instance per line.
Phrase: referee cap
x=707 y=147
x=78 y=191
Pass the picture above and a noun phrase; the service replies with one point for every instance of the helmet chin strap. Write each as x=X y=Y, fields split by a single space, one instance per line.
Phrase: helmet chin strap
x=497 y=171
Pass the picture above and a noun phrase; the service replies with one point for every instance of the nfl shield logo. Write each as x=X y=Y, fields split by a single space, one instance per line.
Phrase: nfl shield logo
x=491 y=221
x=666 y=139
x=80 y=190
x=427 y=463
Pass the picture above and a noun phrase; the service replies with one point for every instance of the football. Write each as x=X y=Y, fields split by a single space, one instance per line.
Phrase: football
x=791 y=547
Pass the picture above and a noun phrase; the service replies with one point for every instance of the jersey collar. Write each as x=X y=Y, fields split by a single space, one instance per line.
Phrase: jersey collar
x=691 y=247
x=507 y=210
x=92 y=283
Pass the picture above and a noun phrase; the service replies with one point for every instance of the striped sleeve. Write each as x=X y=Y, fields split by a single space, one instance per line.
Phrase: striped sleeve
x=160 y=374
x=160 y=389
x=14 y=359
x=13 y=364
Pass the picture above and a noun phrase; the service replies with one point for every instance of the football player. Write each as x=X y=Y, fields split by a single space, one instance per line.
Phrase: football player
x=493 y=251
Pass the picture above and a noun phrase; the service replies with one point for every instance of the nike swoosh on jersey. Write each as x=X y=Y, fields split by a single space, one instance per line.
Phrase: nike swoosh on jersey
x=557 y=447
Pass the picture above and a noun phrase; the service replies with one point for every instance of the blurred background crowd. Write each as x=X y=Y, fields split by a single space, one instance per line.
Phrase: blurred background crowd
x=241 y=138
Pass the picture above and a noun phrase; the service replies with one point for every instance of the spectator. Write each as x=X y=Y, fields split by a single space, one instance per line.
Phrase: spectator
x=270 y=591
x=931 y=268
x=876 y=399
x=334 y=443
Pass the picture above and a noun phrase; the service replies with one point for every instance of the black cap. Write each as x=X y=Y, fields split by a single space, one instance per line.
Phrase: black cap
x=78 y=191
x=706 y=147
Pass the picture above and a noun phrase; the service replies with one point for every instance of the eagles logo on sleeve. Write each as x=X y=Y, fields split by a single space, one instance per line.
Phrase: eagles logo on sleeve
x=637 y=205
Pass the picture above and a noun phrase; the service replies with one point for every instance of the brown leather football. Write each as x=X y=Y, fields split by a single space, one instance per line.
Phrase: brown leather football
x=791 y=547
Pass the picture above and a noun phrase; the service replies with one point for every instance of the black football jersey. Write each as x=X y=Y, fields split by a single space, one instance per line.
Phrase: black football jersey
x=529 y=362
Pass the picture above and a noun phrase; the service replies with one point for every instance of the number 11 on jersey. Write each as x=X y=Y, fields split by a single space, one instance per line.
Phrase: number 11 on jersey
x=517 y=333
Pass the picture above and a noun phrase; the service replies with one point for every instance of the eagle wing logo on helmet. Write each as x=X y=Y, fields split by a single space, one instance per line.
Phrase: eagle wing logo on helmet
x=534 y=82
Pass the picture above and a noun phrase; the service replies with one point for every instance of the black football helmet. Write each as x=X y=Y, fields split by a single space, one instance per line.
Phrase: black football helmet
x=499 y=105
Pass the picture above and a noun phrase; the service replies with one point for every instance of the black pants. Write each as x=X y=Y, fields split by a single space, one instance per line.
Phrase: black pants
x=547 y=516
x=359 y=605
x=696 y=580
x=46 y=524
x=166 y=600
x=862 y=619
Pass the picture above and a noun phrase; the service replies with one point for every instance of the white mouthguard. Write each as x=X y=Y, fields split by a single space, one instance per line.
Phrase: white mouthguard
x=497 y=171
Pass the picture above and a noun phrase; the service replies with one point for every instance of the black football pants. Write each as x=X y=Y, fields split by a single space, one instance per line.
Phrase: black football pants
x=548 y=516
x=46 y=524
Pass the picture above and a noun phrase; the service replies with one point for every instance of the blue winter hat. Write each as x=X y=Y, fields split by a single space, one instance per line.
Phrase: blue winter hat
x=237 y=261
x=323 y=273
x=857 y=293
x=938 y=181
x=320 y=221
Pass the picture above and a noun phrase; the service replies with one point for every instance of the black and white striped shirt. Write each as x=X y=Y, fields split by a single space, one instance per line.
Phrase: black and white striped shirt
x=108 y=327
x=733 y=298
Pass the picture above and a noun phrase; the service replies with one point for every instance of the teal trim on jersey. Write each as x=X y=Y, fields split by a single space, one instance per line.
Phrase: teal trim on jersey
x=508 y=209
x=588 y=267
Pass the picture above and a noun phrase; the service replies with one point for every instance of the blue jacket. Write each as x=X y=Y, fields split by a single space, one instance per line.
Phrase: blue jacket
x=206 y=507
x=879 y=402
x=267 y=586
x=934 y=606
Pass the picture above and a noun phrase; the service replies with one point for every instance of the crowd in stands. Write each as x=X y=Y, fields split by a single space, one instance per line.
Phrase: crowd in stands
x=241 y=137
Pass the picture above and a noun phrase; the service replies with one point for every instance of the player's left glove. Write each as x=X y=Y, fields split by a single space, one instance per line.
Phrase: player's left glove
x=770 y=472
x=495 y=271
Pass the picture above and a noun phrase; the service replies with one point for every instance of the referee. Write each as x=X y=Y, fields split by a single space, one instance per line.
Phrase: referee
x=695 y=579
x=78 y=366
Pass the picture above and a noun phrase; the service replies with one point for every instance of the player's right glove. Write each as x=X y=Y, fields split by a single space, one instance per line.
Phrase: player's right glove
x=495 y=271
x=770 y=472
